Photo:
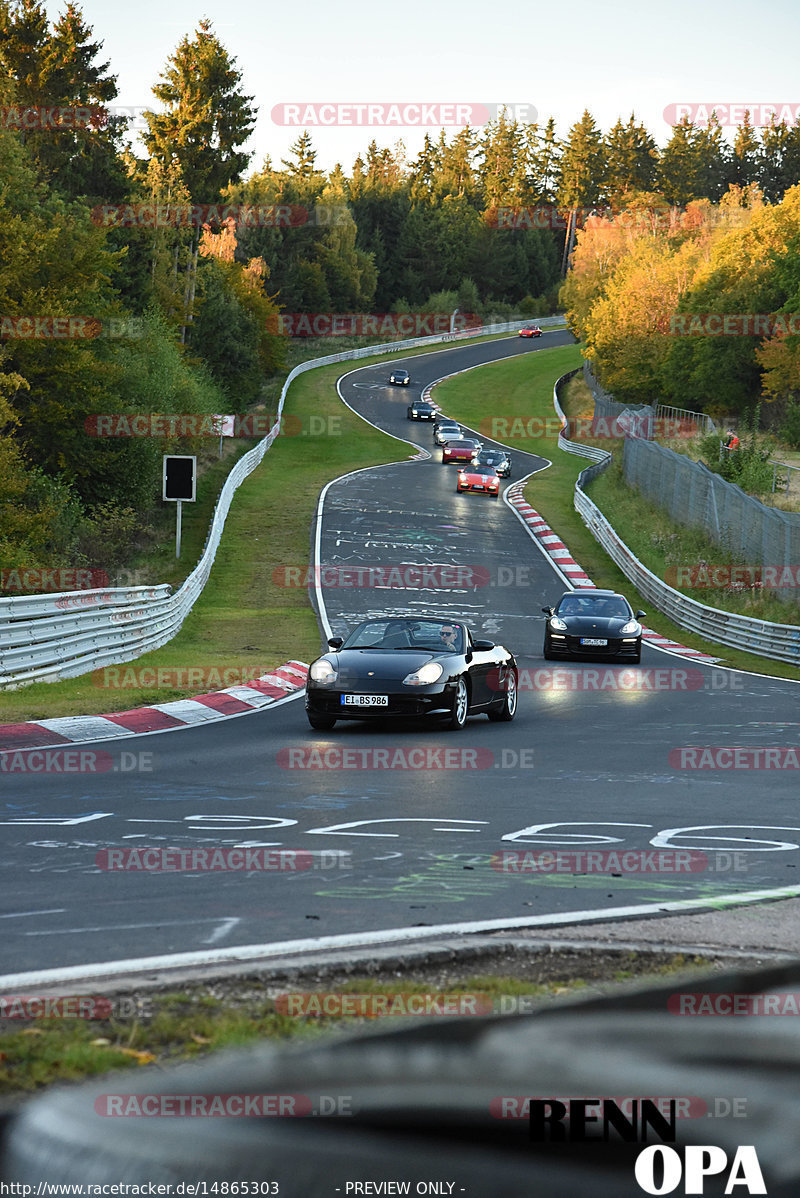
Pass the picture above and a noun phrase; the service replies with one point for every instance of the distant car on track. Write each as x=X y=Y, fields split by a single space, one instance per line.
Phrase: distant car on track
x=494 y=459
x=461 y=450
x=411 y=666
x=473 y=480
x=420 y=409
x=530 y=330
x=400 y=378
x=591 y=622
x=443 y=428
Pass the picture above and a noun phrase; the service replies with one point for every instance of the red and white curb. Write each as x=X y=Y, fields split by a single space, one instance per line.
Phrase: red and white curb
x=560 y=555
x=160 y=717
x=426 y=394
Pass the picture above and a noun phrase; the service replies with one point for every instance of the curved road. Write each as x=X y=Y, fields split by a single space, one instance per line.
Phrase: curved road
x=591 y=762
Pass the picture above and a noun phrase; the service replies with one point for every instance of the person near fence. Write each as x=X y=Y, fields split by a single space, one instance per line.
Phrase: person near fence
x=731 y=441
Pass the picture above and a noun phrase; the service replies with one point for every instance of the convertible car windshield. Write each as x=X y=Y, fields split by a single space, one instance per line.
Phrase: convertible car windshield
x=436 y=636
x=603 y=606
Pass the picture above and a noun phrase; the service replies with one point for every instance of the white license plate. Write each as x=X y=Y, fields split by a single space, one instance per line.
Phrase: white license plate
x=592 y=640
x=365 y=700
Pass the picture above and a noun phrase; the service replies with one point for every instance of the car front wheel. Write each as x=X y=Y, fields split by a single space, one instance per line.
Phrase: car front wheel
x=458 y=717
x=320 y=723
x=547 y=653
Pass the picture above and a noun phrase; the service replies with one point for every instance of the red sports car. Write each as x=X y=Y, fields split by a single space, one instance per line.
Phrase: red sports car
x=487 y=484
x=460 y=451
x=530 y=330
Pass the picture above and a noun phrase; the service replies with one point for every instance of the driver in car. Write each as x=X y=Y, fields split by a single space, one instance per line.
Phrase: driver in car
x=450 y=638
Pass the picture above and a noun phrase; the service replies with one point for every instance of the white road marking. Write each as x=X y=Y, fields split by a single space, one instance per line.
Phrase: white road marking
x=25 y=914
x=44 y=821
x=122 y=927
x=226 y=926
x=254 y=952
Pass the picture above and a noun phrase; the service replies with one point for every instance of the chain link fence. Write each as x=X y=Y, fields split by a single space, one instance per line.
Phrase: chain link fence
x=778 y=641
x=617 y=419
x=695 y=496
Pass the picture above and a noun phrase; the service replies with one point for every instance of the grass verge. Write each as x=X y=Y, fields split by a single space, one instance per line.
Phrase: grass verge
x=519 y=391
x=164 y=1028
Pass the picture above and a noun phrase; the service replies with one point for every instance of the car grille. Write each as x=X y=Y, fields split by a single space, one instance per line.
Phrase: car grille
x=614 y=646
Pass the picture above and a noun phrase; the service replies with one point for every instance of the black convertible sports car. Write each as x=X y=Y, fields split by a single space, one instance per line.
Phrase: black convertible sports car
x=411 y=667
x=593 y=623
x=494 y=459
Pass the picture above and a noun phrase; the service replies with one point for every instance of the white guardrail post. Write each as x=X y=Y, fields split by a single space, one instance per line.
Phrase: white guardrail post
x=44 y=638
x=781 y=642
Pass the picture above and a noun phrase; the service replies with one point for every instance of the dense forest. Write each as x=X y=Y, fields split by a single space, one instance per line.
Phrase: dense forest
x=699 y=307
x=149 y=278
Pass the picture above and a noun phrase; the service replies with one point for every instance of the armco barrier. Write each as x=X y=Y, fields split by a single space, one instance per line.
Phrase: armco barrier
x=44 y=638
x=781 y=642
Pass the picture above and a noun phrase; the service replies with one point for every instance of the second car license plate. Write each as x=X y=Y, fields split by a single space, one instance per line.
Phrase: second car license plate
x=592 y=640
x=365 y=700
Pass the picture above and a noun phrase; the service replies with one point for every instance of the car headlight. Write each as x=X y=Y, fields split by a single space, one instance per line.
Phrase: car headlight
x=559 y=625
x=630 y=629
x=425 y=675
x=322 y=671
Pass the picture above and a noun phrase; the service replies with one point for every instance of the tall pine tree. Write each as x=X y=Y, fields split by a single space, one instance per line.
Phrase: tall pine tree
x=207 y=116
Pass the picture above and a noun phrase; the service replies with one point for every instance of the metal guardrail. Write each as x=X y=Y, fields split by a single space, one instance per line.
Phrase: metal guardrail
x=44 y=638
x=778 y=484
x=780 y=642
x=583 y=451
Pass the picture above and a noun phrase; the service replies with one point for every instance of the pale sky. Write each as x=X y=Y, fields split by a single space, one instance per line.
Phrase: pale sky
x=612 y=57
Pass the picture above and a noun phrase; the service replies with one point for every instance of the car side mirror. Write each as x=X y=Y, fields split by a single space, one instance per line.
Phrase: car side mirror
x=640 y=613
x=336 y=642
x=548 y=611
x=483 y=646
